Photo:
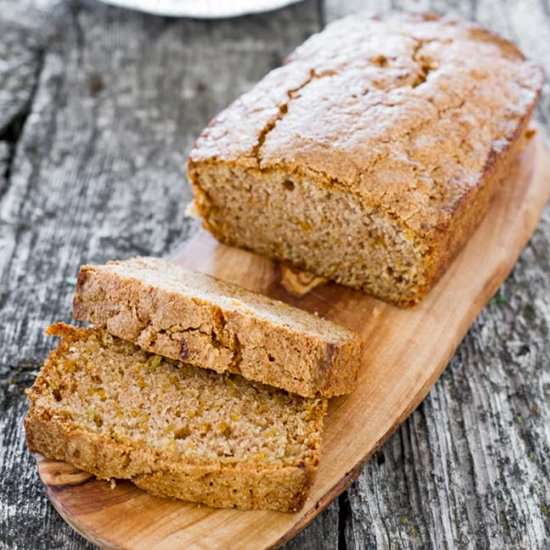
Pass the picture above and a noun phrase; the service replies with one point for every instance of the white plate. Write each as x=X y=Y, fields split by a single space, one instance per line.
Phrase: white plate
x=202 y=9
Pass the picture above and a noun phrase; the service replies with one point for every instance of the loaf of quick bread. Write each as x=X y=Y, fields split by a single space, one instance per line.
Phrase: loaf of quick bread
x=111 y=409
x=208 y=323
x=371 y=156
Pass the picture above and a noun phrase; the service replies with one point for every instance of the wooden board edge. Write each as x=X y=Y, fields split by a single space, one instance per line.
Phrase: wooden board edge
x=351 y=476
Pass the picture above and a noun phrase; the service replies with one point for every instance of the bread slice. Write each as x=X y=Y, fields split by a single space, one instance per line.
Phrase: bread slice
x=205 y=322
x=371 y=156
x=109 y=408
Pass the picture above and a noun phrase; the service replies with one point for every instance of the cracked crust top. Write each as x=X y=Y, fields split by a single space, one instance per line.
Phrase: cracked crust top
x=407 y=112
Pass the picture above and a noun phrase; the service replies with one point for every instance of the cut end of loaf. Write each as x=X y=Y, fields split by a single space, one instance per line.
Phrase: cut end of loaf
x=319 y=228
x=113 y=410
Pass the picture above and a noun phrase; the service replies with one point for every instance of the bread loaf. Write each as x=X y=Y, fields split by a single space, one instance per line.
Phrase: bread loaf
x=371 y=156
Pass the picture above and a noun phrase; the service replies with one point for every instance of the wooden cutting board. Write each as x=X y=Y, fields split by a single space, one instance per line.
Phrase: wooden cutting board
x=406 y=352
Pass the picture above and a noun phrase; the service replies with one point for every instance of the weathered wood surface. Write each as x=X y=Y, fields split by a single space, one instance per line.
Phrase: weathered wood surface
x=98 y=107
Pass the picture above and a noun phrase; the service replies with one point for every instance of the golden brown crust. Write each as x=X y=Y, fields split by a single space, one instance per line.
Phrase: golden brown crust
x=470 y=212
x=413 y=117
x=65 y=392
x=206 y=323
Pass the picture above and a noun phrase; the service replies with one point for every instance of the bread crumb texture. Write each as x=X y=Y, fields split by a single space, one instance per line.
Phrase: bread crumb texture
x=370 y=156
x=114 y=410
x=208 y=323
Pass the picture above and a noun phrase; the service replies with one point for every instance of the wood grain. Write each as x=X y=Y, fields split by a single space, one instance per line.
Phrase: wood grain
x=406 y=352
x=106 y=104
x=470 y=468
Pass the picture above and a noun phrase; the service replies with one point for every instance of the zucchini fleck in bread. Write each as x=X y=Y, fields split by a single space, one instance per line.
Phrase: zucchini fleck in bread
x=371 y=156
x=109 y=408
x=207 y=323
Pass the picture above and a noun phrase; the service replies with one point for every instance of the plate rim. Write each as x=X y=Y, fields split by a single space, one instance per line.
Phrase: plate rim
x=161 y=8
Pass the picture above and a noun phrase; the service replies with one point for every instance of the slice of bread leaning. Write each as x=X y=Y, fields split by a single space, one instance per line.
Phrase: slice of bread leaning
x=109 y=408
x=208 y=323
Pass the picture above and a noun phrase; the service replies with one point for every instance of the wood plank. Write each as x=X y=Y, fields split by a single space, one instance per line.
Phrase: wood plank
x=406 y=352
x=470 y=468
x=97 y=171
